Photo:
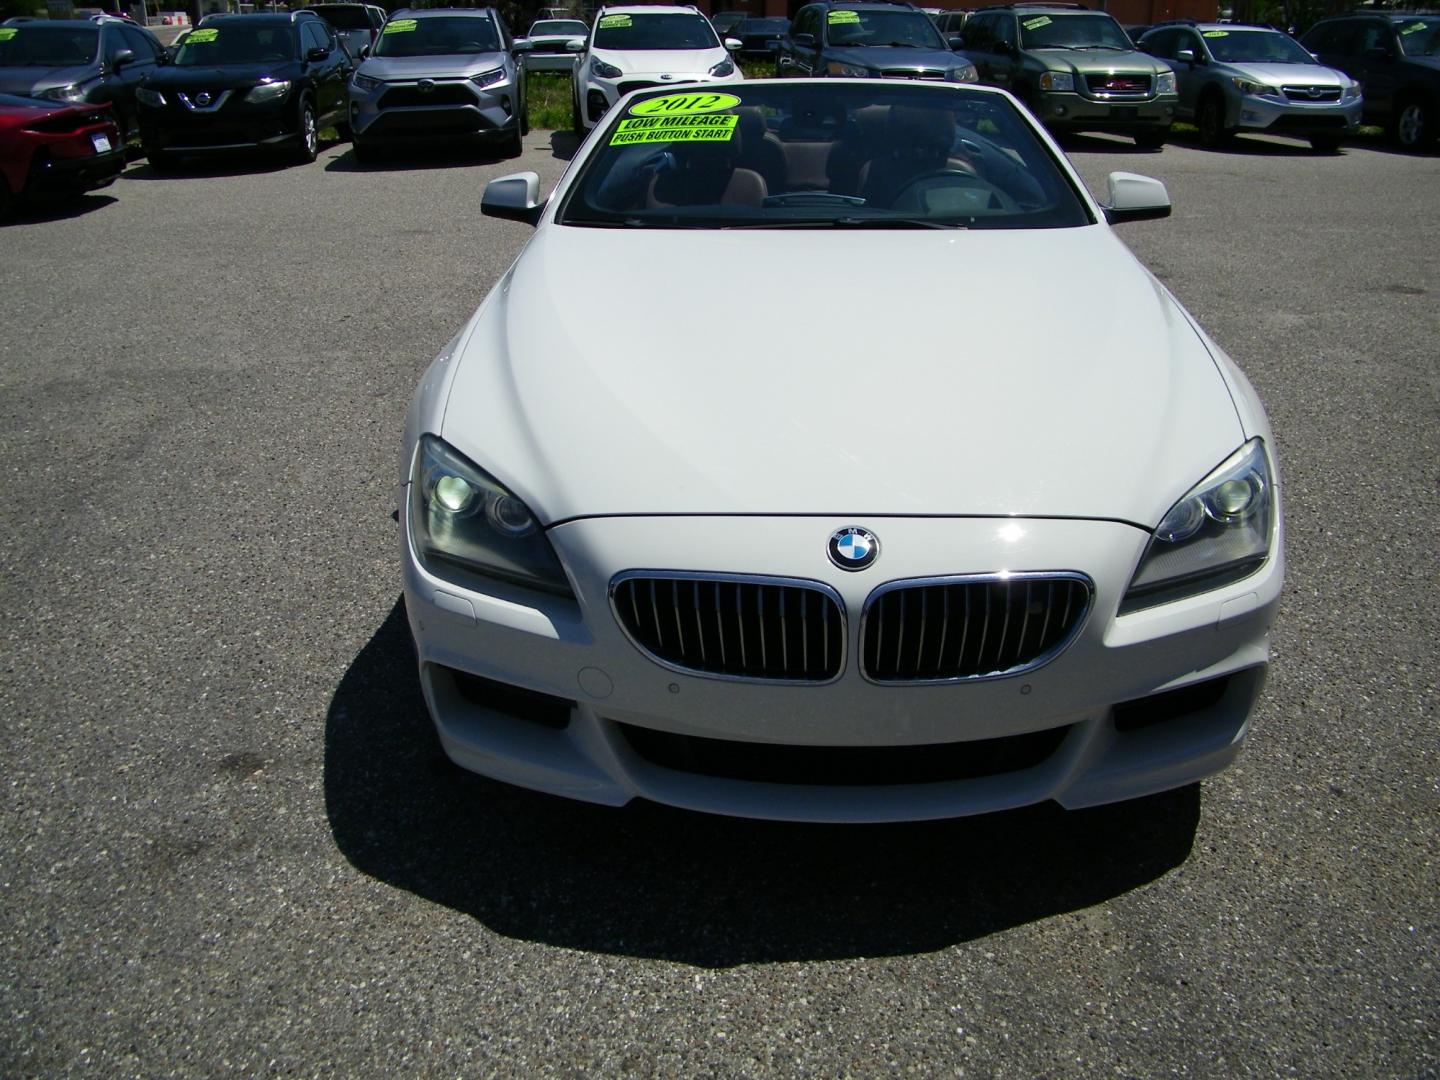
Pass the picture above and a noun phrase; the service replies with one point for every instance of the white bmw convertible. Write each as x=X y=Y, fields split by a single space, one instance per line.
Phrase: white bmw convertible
x=965 y=512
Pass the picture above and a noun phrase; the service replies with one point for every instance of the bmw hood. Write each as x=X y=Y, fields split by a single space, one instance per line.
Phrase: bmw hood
x=663 y=62
x=27 y=80
x=1292 y=74
x=400 y=68
x=898 y=373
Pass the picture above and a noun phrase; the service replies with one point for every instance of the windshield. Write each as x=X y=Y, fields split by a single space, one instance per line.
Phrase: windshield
x=639 y=30
x=1255 y=47
x=853 y=154
x=901 y=29
x=559 y=28
x=236 y=44
x=1420 y=37
x=49 y=47
x=438 y=36
x=1073 y=32
x=344 y=16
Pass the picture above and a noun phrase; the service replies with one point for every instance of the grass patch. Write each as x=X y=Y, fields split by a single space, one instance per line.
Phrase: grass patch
x=547 y=99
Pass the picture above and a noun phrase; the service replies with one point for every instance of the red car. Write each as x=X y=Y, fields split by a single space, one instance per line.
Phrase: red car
x=49 y=146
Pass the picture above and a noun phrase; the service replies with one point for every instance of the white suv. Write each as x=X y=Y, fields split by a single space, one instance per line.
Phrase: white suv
x=635 y=46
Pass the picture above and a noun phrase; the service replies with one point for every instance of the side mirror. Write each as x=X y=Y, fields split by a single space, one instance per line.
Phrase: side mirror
x=317 y=53
x=523 y=45
x=732 y=44
x=805 y=41
x=574 y=45
x=1005 y=48
x=1135 y=198
x=364 y=52
x=1186 y=56
x=956 y=43
x=515 y=197
x=123 y=57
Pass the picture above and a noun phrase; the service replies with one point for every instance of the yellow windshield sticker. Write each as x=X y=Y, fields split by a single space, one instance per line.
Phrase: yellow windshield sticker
x=652 y=129
x=838 y=17
x=399 y=26
x=1414 y=26
x=684 y=104
x=610 y=22
x=7 y=32
x=1035 y=24
x=1216 y=33
x=200 y=37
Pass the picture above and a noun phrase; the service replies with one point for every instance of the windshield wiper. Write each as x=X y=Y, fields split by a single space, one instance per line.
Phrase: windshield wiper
x=851 y=223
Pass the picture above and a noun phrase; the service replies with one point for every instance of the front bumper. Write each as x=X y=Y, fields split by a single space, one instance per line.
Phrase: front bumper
x=406 y=110
x=1255 y=113
x=1069 y=111
x=599 y=96
x=550 y=694
x=237 y=124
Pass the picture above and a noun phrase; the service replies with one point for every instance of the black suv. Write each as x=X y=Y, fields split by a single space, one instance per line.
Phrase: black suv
x=79 y=62
x=1396 y=59
x=245 y=82
x=869 y=39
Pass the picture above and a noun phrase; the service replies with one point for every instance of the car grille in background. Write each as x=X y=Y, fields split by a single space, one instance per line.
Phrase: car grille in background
x=1312 y=93
x=410 y=97
x=636 y=84
x=911 y=73
x=969 y=628
x=764 y=629
x=1118 y=85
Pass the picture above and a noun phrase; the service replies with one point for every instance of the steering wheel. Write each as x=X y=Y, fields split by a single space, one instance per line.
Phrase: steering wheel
x=970 y=194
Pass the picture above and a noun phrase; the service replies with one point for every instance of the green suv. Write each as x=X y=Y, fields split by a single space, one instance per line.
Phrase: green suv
x=1075 y=68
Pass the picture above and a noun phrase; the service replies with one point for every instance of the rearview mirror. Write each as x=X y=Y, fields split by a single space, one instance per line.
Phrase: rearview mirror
x=121 y=58
x=1186 y=56
x=1135 y=198
x=806 y=41
x=317 y=53
x=732 y=44
x=523 y=45
x=515 y=197
x=955 y=43
x=574 y=45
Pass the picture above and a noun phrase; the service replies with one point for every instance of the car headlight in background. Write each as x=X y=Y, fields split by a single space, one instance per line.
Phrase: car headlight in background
x=489 y=78
x=725 y=67
x=153 y=98
x=601 y=70
x=1258 y=89
x=268 y=91
x=1218 y=533
x=1351 y=92
x=966 y=73
x=847 y=71
x=364 y=82
x=1057 y=80
x=68 y=92
x=1165 y=83
x=463 y=518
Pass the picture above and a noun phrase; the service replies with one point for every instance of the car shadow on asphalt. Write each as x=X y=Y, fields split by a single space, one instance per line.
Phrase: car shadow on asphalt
x=650 y=881
x=563 y=144
x=38 y=211
x=420 y=158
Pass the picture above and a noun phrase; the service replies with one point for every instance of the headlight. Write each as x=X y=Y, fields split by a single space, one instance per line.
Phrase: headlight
x=365 y=83
x=1258 y=89
x=68 y=92
x=601 y=70
x=1218 y=533
x=1351 y=92
x=270 y=91
x=489 y=78
x=1165 y=83
x=847 y=71
x=723 y=68
x=1057 y=80
x=463 y=518
x=145 y=96
x=967 y=73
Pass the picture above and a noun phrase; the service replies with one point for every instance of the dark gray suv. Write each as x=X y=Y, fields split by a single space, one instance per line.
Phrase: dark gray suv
x=1396 y=58
x=875 y=39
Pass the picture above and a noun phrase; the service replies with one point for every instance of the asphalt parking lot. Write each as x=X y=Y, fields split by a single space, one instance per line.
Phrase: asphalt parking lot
x=230 y=843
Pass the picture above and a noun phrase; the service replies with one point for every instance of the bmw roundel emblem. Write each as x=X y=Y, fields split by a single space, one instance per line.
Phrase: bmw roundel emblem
x=853 y=548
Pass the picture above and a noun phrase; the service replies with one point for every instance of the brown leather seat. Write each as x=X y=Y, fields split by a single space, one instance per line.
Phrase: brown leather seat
x=917 y=141
x=706 y=175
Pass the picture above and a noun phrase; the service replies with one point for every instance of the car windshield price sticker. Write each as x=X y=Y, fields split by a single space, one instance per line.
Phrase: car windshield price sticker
x=7 y=32
x=200 y=37
x=838 y=17
x=1035 y=24
x=1414 y=26
x=684 y=104
x=399 y=26
x=1217 y=33
x=610 y=22
x=649 y=129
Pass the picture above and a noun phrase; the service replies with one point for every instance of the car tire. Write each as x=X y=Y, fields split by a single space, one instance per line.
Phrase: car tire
x=1210 y=119
x=512 y=143
x=160 y=161
x=7 y=201
x=366 y=153
x=576 y=123
x=307 y=129
x=1152 y=140
x=1325 y=144
x=343 y=130
x=524 y=106
x=1413 y=126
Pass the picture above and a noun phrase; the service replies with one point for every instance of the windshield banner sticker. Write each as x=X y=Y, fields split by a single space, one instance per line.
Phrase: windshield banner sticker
x=1216 y=33
x=1414 y=26
x=610 y=22
x=648 y=129
x=7 y=32
x=1035 y=24
x=399 y=26
x=684 y=104
x=200 y=37
x=838 y=17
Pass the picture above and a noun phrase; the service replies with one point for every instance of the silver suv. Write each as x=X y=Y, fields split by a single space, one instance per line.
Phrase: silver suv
x=1252 y=78
x=436 y=76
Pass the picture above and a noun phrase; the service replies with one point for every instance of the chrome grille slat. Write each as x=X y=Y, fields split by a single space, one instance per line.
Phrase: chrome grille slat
x=759 y=629
x=1003 y=624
